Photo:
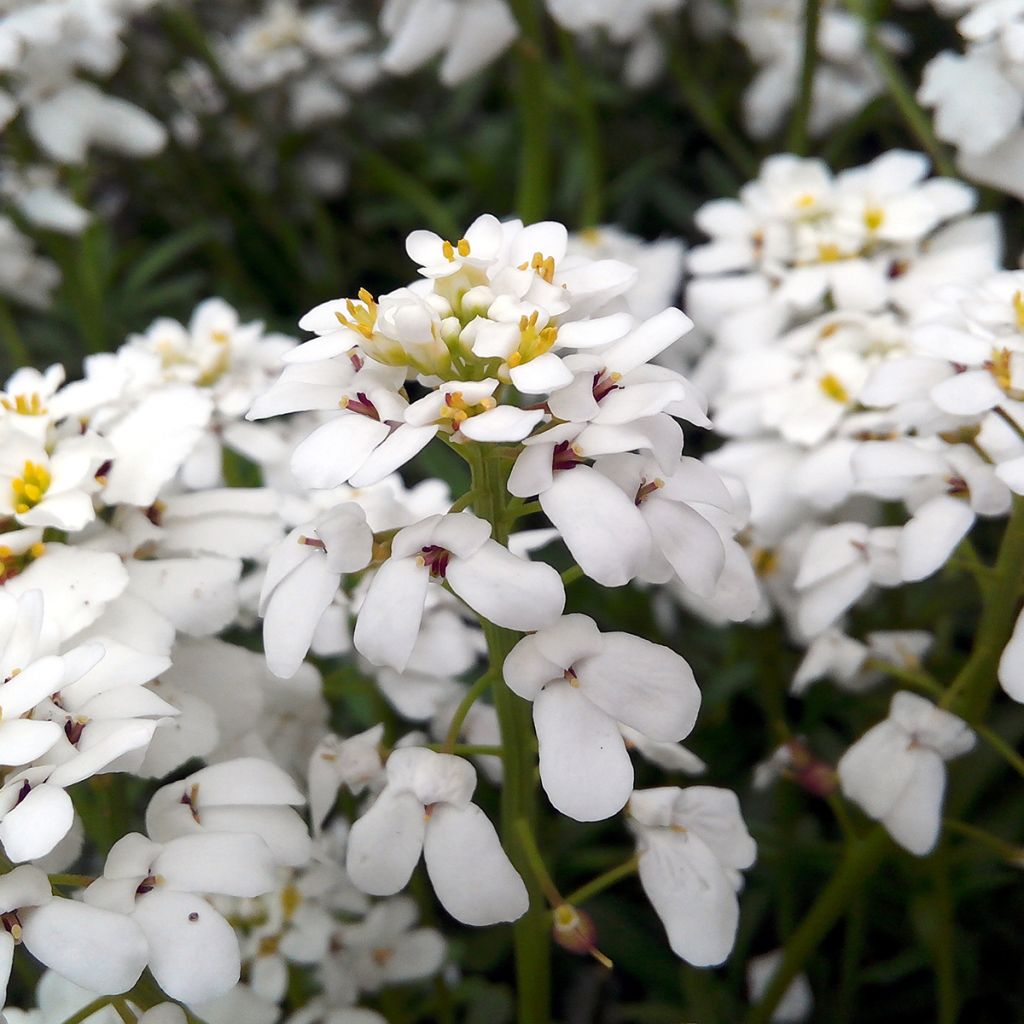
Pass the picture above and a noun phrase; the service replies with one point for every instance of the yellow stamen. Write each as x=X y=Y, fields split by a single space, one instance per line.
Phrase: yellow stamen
x=463 y=247
x=832 y=386
x=1018 y=309
x=25 y=405
x=291 y=900
x=873 y=218
x=30 y=487
x=829 y=252
x=805 y=201
x=362 y=319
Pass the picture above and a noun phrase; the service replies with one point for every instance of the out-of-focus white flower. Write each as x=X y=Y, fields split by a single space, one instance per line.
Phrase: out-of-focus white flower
x=896 y=771
x=469 y=33
x=797 y=1001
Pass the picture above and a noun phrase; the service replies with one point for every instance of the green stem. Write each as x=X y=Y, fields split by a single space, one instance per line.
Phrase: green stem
x=89 y=1009
x=537 y=865
x=124 y=1011
x=604 y=881
x=704 y=108
x=532 y=932
x=1000 y=847
x=590 y=133
x=971 y=692
x=535 y=154
x=943 y=940
x=799 y=134
x=466 y=749
x=917 y=120
x=571 y=575
x=469 y=699
x=72 y=881
x=463 y=503
x=1001 y=747
x=916 y=678
x=11 y=340
x=860 y=861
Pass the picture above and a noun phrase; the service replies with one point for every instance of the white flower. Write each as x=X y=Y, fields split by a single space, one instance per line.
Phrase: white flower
x=88 y=946
x=470 y=33
x=426 y=808
x=797 y=1001
x=896 y=771
x=456 y=549
x=692 y=844
x=583 y=684
x=245 y=795
x=302 y=578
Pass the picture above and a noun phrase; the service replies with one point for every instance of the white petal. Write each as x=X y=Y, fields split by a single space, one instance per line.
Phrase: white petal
x=471 y=873
x=97 y=949
x=692 y=895
x=508 y=591
x=384 y=845
x=389 y=620
x=333 y=452
x=223 y=864
x=193 y=951
x=37 y=824
x=643 y=685
x=1011 y=664
x=584 y=767
x=293 y=612
x=930 y=536
x=914 y=820
x=602 y=528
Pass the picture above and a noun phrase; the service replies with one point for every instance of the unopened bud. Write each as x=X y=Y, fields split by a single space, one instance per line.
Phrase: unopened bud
x=809 y=772
x=575 y=931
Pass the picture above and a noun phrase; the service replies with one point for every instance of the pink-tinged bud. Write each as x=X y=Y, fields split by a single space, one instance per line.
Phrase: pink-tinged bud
x=809 y=772
x=575 y=931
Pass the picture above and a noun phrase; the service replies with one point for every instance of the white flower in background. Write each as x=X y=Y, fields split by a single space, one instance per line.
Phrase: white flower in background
x=355 y=763
x=847 y=661
x=469 y=33
x=25 y=276
x=845 y=79
x=897 y=773
x=456 y=549
x=692 y=845
x=978 y=95
x=796 y=1003
x=36 y=193
x=302 y=578
x=635 y=24
x=1011 y=663
x=660 y=264
x=583 y=684
x=245 y=795
x=426 y=808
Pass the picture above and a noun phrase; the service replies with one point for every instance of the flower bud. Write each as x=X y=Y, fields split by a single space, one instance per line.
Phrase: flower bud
x=575 y=931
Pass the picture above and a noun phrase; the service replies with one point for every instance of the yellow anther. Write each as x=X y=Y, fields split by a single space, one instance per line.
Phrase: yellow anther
x=532 y=342
x=832 y=386
x=30 y=487
x=1018 y=309
x=268 y=945
x=873 y=218
x=362 y=319
x=828 y=330
x=829 y=252
x=999 y=367
x=678 y=828
x=448 y=250
x=765 y=561
x=37 y=549
x=25 y=405
x=462 y=245
x=544 y=265
x=805 y=201
x=221 y=337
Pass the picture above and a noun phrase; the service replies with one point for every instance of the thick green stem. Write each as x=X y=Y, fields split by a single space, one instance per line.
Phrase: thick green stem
x=971 y=692
x=11 y=342
x=944 y=940
x=861 y=859
x=535 y=155
x=799 y=132
x=532 y=932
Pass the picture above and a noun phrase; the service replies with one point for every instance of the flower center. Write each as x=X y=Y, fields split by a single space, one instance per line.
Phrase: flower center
x=360 y=404
x=32 y=404
x=833 y=388
x=532 y=342
x=30 y=487
x=457 y=410
x=605 y=383
x=565 y=456
x=12 y=564
x=461 y=247
x=544 y=265
x=362 y=319
x=12 y=924
x=435 y=559
x=646 y=489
